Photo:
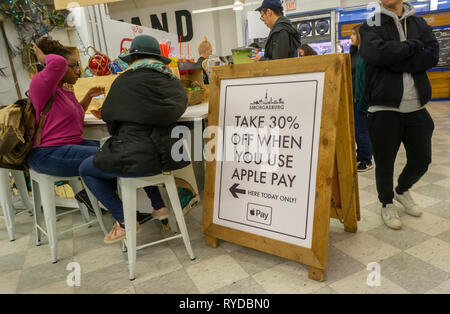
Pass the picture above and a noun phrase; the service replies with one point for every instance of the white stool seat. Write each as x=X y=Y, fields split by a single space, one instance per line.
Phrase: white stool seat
x=44 y=194
x=6 y=201
x=127 y=188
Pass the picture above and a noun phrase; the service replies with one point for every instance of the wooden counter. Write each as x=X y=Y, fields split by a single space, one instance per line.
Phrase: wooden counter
x=440 y=83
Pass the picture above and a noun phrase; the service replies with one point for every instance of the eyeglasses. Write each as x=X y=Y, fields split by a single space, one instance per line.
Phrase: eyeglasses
x=74 y=66
x=263 y=13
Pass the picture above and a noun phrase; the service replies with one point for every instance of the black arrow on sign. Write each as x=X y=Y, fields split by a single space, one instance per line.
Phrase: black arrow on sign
x=234 y=190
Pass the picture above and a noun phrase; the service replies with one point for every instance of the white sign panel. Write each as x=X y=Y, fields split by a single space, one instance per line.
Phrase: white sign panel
x=266 y=176
x=118 y=34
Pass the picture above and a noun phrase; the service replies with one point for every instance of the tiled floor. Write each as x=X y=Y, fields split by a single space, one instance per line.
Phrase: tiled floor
x=413 y=260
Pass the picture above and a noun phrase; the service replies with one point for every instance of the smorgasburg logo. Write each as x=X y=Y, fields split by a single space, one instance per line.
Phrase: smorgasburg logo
x=267 y=103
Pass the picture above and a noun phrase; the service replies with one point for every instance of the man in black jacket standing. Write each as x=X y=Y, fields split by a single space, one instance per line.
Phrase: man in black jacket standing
x=284 y=39
x=398 y=51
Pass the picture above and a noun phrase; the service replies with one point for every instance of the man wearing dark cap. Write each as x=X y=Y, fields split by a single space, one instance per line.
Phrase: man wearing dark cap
x=284 y=39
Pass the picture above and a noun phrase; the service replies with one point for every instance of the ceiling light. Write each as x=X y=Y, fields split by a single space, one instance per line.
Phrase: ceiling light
x=237 y=6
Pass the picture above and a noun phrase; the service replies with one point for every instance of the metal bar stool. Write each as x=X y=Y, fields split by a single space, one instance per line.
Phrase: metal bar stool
x=6 y=201
x=127 y=189
x=44 y=193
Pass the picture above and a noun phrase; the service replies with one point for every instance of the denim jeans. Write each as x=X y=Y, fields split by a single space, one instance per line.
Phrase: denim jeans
x=104 y=184
x=364 y=146
x=61 y=161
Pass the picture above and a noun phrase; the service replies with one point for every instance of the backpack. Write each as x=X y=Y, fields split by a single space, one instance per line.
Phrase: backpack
x=188 y=198
x=17 y=130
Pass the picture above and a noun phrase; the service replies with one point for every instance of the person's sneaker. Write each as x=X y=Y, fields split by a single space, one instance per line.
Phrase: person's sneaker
x=143 y=217
x=161 y=214
x=364 y=166
x=411 y=208
x=390 y=217
x=83 y=197
x=118 y=233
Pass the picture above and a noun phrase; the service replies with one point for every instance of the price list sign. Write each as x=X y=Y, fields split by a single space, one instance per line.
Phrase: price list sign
x=266 y=176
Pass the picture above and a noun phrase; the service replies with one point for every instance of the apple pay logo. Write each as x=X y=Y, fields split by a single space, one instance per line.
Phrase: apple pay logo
x=259 y=213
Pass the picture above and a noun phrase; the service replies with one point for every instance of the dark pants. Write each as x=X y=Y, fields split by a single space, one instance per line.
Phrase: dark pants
x=104 y=184
x=364 y=147
x=388 y=129
x=61 y=161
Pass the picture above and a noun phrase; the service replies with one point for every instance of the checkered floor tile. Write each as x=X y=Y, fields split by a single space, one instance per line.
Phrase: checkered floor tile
x=415 y=259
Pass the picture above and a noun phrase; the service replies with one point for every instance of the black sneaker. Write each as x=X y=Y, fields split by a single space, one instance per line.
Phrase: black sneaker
x=364 y=166
x=82 y=197
x=143 y=217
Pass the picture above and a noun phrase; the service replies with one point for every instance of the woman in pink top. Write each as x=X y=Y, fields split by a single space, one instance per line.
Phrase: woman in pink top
x=62 y=147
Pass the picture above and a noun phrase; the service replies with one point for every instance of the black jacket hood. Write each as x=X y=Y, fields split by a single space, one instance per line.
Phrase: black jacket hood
x=283 y=23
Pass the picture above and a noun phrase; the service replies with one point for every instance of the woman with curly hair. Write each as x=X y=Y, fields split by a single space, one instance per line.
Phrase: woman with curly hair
x=62 y=148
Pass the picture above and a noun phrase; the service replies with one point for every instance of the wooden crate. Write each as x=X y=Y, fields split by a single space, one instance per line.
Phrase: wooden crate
x=84 y=84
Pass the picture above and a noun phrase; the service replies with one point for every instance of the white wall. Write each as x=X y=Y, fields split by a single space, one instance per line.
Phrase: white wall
x=144 y=8
x=21 y=72
x=8 y=92
x=228 y=31
x=219 y=27
x=84 y=35
x=308 y=5
x=354 y=3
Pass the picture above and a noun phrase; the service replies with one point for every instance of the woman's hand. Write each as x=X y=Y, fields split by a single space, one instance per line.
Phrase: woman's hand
x=39 y=54
x=93 y=92
x=96 y=91
x=256 y=57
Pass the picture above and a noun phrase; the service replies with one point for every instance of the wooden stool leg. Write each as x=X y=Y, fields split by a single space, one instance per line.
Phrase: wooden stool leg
x=129 y=211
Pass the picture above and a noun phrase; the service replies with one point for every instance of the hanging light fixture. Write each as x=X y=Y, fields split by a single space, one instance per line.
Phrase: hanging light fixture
x=238 y=6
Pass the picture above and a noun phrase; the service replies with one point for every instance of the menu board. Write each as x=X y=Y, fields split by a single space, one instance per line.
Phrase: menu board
x=443 y=36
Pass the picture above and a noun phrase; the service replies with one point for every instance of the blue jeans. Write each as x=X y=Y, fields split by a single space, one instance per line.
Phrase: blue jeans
x=61 y=161
x=104 y=184
x=364 y=146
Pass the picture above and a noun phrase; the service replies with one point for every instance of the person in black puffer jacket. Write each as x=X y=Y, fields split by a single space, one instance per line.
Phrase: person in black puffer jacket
x=141 y=109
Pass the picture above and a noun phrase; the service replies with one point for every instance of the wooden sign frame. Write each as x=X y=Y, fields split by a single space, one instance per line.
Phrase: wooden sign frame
x=62 y=4
x=336 y=169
